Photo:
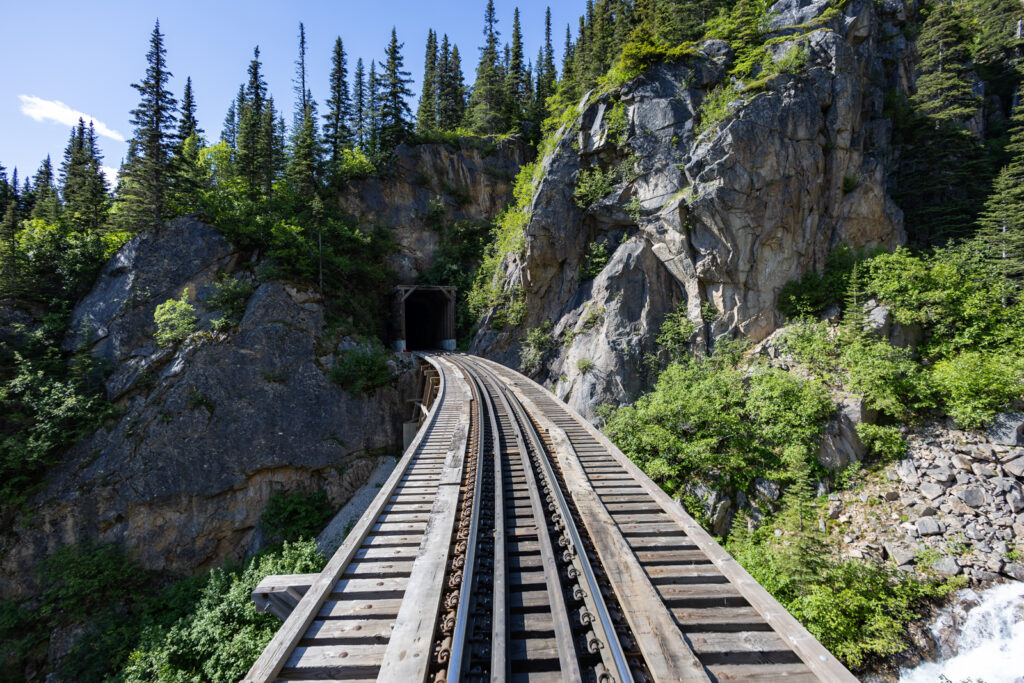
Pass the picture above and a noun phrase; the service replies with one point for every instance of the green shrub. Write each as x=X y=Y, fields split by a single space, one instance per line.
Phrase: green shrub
x=594 y=184
x=715 y=106
x=222 y=634
x=295 y=516
x=595 y=260
x=79 y=581
x=362 y=370
x=175 y=320
x=813 y=293
x=538 y=340
x=676 y=333
x=813 y=344
x=975 y=385
x=850 y=183
x=584 y=365
x=884 y=442
x=888 y=378
x=354 y=164
x=230 y=296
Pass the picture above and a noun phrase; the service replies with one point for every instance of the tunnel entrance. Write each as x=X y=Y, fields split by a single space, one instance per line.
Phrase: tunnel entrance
x=423 y=318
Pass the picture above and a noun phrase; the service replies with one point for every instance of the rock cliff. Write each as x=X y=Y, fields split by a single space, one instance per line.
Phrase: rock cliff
x=209 y=429
x=716 y=221
x=427 y=183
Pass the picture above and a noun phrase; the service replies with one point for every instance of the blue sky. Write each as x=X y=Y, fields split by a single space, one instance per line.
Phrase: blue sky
x=86 y=55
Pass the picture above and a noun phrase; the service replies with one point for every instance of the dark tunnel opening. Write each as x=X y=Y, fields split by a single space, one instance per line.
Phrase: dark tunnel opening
x=425 y=320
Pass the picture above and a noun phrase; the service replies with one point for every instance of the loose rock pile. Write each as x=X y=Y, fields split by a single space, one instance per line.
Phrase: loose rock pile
x=955 y=503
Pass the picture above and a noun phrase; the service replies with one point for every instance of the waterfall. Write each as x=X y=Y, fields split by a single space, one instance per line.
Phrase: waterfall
x=980 y=643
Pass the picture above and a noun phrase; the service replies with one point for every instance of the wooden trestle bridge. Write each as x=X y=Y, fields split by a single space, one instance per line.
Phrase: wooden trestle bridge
x=514 y=542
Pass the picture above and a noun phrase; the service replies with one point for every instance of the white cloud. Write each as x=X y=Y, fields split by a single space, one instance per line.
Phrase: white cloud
x=111 y=173
x=55 y=110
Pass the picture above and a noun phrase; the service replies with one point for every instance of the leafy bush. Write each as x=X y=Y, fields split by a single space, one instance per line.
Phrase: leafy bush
x=976 y=385
x=354 y=164
x=884 y=442
x=858 y=610
x=584 y=365
x=538 y=340
x=230 y=296
x=676 y=333
x=222 y=635
x=707 y=420
x=813 y=293
x=593 y=184
x=715 y=106
x=295 y=516
x=175 y=320
x=595 y=260
x=362 y=370
x=80 y=581
x=888 y=378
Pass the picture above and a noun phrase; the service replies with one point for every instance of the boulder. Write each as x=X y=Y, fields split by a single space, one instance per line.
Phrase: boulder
x=929 y=526
x=1007 y=429
x=974 y=496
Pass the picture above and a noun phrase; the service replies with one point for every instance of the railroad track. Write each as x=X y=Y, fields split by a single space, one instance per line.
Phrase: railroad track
x=514 y=542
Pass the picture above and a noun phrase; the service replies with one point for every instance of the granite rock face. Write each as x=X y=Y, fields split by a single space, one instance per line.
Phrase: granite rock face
x=208 y=429
x=426 y=183
x=718 y=222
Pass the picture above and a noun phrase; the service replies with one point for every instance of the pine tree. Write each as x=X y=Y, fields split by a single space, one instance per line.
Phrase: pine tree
x=485 y=113
x=5 y=189
x=1001 y=234
x=229 y=134
x=187 y=123
x=303 y=96
x=944 y=90
x=150 y=171
x=373 y=110
x=997 y=49
x=9 y=251
x=83 y=185
x=395 y=114
x=546 y=74
x=426 y=112
x=458 y=88
x=46 y=205
x=359 y=111
x=258 y=146
x=516 y=80
x=337 y=131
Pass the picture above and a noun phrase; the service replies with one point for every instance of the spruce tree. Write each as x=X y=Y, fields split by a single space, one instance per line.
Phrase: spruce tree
x=83 y=185
x=486 y=111
x=359 y=95
x=426 y=112
x=187 y=123
x=257 y=144
x=303 y=96
x=47 y=204
x=150 y=171
x=997 y=49
x=337 y=130
x=546 y=74
x=5 y=189
x=516 y=79
x=1001 y=234
x=373 y=110
x=9 y=251
x=395 y=114
x=229 y=134
x=944 y=90
x=458 y=88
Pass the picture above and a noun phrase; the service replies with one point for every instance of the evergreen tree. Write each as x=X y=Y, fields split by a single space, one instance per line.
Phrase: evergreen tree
x=303 y=170
x=457 y=93
x=516 y=79
x=5 y=189
x=997 y=48
x=303 y=97
x=485 y=113
x=546 y=74
x=395 y=114
x=187 y=123
x=373 y=110
x=46 y=205
x=150 y=171
x=259 y=141
x=229 y=133
x=337 y=131
x=359 y=95
x=9 y=251
x=426 y=112
x=568 y=54
x=1002 y=222
x=83 y=185
x=944 y=90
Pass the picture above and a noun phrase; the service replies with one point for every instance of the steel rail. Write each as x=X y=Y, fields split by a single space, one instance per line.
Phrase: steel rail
x=611 y=639
x=460 y=632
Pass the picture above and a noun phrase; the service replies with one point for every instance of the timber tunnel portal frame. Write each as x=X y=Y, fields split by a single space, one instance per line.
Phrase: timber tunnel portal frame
x=423 y=318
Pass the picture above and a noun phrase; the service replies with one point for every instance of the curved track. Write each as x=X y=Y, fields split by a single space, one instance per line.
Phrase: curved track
x=515 y=542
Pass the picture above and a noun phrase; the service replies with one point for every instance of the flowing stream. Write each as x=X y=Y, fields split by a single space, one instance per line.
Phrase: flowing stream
x=980 y=638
